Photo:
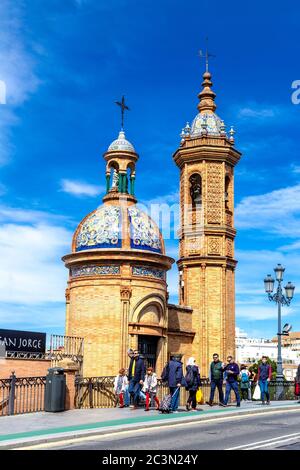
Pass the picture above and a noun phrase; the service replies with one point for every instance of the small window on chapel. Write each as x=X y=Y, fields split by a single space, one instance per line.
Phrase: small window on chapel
x=196 y=189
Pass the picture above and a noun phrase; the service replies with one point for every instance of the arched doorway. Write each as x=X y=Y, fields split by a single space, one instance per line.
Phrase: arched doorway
x=148 y=327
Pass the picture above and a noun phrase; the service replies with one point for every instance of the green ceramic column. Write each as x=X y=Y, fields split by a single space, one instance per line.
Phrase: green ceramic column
x=120 y=182
x=132 y=181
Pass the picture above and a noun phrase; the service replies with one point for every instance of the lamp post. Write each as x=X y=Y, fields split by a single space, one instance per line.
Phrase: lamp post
x=280 y=299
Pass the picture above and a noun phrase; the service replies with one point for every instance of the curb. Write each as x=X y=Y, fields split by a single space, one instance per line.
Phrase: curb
x=70 y=435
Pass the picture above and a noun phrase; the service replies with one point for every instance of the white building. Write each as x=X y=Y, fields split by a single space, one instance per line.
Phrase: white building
x=250 y=350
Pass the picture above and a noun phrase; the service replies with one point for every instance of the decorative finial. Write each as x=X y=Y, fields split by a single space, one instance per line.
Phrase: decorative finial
x=222 y=128
x=207 y=96
x=187 y=129
x=231 y=132
x=182 y=135
x=123 y=106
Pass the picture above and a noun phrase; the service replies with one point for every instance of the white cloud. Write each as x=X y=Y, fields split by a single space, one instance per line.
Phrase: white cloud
x=260 y=312
x=276 y=212
x=291 y=247
x=251 y=300
x=30 y=270
x=17 y=215
x=17 y=65
x=32 y=275
x=295 y=169
x=257 y=111
x=79 y=188
x=17 y=71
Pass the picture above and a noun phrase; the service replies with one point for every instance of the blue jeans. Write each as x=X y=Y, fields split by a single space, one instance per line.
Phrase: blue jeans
x=264 y=389
x=175 y=398
x=216 y=384
x=232 y=386
x=134 y=390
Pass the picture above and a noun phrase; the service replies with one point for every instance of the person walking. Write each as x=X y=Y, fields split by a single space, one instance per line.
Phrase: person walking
x=245 y=382
x=120 y=384
x=264 y=375
x=137 y=374
x=251 y=384
x=173 y=375
x=192 y=378
x=216 y=380
x=150 y=388
x=297 y=383
x=232 y=371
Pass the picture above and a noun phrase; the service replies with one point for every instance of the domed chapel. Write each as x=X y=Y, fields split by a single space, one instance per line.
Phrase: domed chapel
x=117 y=295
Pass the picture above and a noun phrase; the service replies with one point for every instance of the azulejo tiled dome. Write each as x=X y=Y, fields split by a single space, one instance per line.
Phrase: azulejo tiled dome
x=121 y=143
x=103 y=228
x=209 y=121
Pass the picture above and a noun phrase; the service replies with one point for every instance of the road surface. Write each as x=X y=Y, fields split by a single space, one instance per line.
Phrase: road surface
x=276 y=430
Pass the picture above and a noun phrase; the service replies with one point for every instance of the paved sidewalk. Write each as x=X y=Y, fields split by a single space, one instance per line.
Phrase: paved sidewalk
x=40 y=427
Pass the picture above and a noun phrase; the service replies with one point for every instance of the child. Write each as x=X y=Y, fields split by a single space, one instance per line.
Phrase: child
x=120 y=386
x=245 y=382
x=150 y=388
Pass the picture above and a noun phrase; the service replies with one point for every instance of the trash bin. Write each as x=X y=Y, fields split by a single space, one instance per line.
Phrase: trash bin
x=55 y=390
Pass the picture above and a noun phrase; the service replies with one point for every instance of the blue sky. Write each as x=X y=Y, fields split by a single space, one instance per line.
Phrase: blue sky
x=64 y=65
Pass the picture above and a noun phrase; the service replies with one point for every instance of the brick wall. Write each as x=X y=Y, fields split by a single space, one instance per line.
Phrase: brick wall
x=24 y=367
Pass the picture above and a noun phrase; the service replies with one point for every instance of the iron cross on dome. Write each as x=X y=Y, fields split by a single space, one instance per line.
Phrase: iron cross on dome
x=123 y=106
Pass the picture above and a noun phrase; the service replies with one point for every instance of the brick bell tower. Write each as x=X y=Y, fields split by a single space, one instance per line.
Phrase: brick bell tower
x=206 y=159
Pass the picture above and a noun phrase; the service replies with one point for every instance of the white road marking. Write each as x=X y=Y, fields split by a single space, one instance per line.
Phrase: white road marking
x=96 y=437
x=266 y=442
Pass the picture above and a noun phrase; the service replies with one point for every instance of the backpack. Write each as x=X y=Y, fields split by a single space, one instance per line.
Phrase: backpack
x=189 y=377
x=245 y=378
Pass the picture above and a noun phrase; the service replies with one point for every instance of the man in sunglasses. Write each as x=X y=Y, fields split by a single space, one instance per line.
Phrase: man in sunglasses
x=232 y=371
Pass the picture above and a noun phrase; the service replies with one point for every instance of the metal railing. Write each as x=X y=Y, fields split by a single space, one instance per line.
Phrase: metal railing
x=26 y=355
x=21 y=395
x=62 y=347
x=98 y=392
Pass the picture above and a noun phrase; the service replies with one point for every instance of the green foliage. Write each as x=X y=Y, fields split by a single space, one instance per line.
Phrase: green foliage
x=273 y=364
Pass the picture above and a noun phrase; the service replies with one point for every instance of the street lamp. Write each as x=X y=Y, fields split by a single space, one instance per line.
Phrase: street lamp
x=280 y=299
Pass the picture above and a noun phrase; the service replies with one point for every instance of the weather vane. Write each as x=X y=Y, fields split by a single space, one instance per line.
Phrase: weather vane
x=123 y=106
x=205 y=55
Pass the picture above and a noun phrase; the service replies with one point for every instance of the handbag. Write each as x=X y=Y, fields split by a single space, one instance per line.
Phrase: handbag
x=199 y=396
x=256 y=394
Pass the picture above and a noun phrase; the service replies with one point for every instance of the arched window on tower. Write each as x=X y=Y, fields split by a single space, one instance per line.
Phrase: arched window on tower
x=196 y=189
x=112 y=177
x=226 y=195
x=130 y=178
x=181 y=287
